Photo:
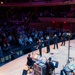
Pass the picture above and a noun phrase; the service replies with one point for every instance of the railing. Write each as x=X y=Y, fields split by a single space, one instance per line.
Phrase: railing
x=48 y=19
x=17 y=1
x=30 y=4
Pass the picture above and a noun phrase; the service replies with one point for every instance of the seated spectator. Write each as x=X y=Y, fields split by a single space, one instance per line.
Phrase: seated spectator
x=63 y=72
x=42 y=38
x=5 y=41
x=26 y=39
x=30 y=40
x=1 y=42
x=36 y=35
x=9 y=38
x=1 y=53
x=71 y=73
x=21 y=41
x=6 y=48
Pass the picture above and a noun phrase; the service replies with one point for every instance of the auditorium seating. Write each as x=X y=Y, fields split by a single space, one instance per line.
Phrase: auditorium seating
x=15 y=22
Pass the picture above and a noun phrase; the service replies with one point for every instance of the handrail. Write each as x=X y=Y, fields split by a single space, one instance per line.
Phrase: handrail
x=37 y=4
x=48 y=19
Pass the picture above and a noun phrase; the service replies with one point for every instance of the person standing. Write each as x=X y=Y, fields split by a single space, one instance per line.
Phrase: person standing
x=55 y=40
x=1 y=53
x=48 y=43
x=63 y=39
x=40 y=46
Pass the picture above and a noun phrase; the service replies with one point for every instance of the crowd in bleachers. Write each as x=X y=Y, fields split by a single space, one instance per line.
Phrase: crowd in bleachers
x=16 y=33
x=58 y=12
x=22 y=16
x=22 y=36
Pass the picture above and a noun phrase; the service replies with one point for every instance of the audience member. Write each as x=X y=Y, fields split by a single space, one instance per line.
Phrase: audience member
x=71 y=73
x=1 y=53
x=30 y=40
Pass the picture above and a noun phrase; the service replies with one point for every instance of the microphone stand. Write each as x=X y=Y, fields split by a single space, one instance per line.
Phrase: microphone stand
x=68 y=49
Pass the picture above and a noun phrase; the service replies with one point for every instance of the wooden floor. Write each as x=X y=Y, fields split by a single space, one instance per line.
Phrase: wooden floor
x=16 y=66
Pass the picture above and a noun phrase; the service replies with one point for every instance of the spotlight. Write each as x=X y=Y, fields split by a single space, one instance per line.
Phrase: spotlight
x=53 y=21
x=64 y=22
x=1 y=2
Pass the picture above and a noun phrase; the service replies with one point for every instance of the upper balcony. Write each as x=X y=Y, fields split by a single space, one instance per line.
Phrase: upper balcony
x=35 y=3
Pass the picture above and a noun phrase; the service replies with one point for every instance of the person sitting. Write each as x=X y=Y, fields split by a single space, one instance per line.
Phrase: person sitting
x=30 y=40
x=1 y=53
x=6 y=48
x=51 y=64
x=63 y=72
x=30 y=61
x=49 y=67
x=20 y=40
x=71 y=73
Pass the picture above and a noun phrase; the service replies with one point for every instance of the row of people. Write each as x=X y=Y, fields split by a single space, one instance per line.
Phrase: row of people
x=55 y=41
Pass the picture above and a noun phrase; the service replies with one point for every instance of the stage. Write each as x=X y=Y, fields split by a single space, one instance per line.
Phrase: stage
x=17 y=66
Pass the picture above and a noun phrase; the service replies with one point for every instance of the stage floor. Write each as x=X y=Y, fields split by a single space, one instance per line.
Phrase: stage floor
x=16 y=66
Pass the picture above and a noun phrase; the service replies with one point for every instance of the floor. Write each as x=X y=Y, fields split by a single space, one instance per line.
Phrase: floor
x=17 y=66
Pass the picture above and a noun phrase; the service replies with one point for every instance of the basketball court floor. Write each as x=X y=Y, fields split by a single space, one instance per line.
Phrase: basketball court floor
x=17 y=66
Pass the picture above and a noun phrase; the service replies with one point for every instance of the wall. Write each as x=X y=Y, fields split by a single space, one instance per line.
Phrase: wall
x=47 y=19
x=42 y=26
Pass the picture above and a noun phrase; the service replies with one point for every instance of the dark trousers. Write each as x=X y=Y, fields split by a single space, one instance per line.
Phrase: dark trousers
x=48 y=49
x=40 y=51
x=63 y=42
x=56 y=45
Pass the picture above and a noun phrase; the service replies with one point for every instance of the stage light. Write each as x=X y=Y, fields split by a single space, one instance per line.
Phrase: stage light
x=64 y=22
x=53 y=21
x=1 y=2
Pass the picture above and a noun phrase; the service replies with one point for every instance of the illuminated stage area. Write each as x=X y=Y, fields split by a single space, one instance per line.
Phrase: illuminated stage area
x=16 y=66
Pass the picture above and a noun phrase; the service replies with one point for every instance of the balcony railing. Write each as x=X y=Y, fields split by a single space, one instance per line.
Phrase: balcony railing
x=30 y=3
x=47 y=19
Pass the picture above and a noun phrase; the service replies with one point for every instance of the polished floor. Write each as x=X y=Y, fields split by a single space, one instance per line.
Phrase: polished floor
x=17 y=66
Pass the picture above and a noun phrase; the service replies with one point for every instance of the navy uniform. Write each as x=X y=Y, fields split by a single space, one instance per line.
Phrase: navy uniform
x=63 y=39
x=40 y=46
x=55 y=39
x=48 y=43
